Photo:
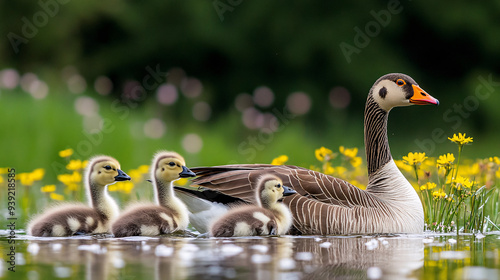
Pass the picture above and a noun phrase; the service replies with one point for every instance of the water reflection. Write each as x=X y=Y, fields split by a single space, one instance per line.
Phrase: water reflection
x=286 y=257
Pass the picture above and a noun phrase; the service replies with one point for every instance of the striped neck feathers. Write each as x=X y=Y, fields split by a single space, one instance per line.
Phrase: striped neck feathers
x=377 y=148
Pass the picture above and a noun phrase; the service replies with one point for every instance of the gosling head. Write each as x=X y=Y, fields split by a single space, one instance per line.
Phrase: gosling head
x=170 y=166
x=105 y=170
x=270 y=190
x=394 y=90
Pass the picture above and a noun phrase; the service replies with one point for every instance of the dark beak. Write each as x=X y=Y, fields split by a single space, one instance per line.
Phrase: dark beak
x=288 y=191
x=122 y=176
x=186 y=173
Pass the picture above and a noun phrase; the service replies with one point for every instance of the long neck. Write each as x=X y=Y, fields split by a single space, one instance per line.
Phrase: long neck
x=100 y=200
x=163 y=192
x=376 y=143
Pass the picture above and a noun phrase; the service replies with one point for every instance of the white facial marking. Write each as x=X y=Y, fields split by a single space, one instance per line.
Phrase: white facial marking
x=73 y=224
x=58 y=230
x=395 y=95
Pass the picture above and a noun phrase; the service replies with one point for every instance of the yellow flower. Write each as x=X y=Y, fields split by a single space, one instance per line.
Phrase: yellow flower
x=181 y=181
x=280 y=160
x=470 y=170
x=340 y=170
x=323 y=154
x=328 y=169
x=28 y=179
x=75 y=164
x=1 y=179
x=401 y=165
x=496 y=160
x=144 y=169
x=115 y=187
x=463 y=182
x=48 y=188
x=414 y=158
x=428 y=186
x=56 y=196
x=135 y=175
x=356 y=161
x=356 y=183
x=69 y=179
x=460 y=139
x=66 y=153
x=124 y=186
x=4 y=170
x=351 y=154
x=439 y=193
x=38 y=174
x=446 y=160
x=73 y=186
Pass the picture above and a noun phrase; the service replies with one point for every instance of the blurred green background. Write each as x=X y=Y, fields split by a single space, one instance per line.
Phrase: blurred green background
x=239 y=81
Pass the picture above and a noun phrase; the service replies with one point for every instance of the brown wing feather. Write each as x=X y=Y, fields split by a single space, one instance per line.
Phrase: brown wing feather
x=237 y=180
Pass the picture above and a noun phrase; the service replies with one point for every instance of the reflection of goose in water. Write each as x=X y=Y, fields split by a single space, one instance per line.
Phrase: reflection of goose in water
x=236 y=258
x=351 y=257
x=303 y=258
x=74 y=257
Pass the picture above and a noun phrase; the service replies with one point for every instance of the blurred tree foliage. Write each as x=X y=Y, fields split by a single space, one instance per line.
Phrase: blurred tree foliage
x=233 y=46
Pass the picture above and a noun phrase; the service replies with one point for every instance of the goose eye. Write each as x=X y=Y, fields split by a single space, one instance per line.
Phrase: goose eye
x=400 y=82
x=107 y=167
x=278 y=186
x=171 y=163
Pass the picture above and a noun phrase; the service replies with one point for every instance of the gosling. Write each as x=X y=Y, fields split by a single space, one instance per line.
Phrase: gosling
x=169 y=214
x=77 y=219
x=268 y=217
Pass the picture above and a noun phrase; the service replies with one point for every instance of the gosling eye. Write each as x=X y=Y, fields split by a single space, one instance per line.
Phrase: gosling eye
x=171 y=163
x=107 y=167
x=278 y=186
x=400 y=82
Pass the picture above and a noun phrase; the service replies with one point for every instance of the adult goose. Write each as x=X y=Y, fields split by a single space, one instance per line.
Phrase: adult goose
x=168 y=214
x=328 y=205
x=71 y=219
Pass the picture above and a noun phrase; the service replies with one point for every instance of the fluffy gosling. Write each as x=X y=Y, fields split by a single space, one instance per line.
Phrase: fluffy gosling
x=268 y=217
x=169 y=214
x=71 y=219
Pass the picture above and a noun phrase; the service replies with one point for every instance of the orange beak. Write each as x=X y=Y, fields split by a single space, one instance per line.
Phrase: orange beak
x=420 y=97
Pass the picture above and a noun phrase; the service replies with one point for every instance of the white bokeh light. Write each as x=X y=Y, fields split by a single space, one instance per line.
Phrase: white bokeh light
x=86 y=106
x=154 y=128
x=192 y=143
x=166 y=94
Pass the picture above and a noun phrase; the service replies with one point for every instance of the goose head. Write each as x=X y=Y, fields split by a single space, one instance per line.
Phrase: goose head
x=270 y=190
x=105 y=170
x=170 y=166
x=394 y=90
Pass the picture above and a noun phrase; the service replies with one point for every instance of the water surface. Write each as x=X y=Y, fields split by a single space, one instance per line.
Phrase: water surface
x=428 y=256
